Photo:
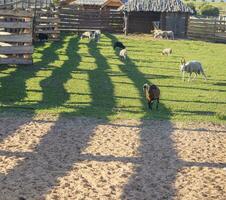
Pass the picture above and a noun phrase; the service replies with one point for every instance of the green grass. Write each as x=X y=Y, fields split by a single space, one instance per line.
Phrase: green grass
x=82 y=78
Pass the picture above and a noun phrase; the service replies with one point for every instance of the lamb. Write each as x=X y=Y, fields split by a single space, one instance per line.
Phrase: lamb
x=191 y=67
x=119 y=45
x=87 y=34
x=167 y=51
x=123 y=54
x=152 y=93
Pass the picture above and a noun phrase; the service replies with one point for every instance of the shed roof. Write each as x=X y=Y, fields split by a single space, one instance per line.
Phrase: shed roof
x=89 y=2
x=157 y=6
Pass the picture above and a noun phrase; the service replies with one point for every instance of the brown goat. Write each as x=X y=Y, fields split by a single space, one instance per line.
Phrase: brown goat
x=152 y=93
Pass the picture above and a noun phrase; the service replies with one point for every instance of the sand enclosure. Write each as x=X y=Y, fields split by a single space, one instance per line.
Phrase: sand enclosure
x=78 y=158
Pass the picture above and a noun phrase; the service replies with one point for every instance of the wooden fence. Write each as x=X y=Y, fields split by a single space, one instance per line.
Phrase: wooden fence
x=209 y=29
x=16 y=37
x=75 y=20
x=47 y=22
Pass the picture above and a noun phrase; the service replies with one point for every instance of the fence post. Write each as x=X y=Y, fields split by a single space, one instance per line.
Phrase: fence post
x=215 y=29
x=126 y=22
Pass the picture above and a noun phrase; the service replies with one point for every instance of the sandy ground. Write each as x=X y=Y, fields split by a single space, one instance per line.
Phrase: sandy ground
x=58 y=158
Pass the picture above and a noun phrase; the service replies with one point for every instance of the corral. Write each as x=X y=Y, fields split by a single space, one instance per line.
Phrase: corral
x=75 y=124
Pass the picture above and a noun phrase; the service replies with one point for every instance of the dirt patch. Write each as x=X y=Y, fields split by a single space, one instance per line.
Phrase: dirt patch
x=80 y=158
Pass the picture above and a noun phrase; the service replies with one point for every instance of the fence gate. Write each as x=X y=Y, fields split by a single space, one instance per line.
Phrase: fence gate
x=104 y=20
x=209 y=29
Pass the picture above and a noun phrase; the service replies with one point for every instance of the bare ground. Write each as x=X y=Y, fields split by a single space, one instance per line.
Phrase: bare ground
x=78 y=158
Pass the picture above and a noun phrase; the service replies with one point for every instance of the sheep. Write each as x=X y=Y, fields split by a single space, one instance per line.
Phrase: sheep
x=191 y=67
x=163 y=34
x=152 y=93
x=96 y=35
x=167 y=51
x=119 y=45
x=169 y=35
x=87 y=34
x=123 y=54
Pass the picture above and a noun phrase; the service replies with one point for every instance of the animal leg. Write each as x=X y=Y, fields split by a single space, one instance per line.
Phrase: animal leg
x=189 y=77
x=150 y=105
x=195 y=76
x=183 y=76
x=204 y=75
x=157 y=105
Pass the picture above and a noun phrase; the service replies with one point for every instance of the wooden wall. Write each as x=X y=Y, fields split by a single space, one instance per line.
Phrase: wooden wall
x=104 y=20
x=176 y=22
x=142 y=22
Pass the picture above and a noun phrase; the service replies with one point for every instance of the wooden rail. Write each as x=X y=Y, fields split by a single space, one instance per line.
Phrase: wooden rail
x=108 y=21
x=207 y=29
x=16 y=37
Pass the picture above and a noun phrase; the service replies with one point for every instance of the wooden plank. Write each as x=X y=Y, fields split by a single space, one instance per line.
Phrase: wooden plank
x=48 y=31
x=3 y=44
x=16 y=61
x=16 y=38
x=15 y=24
x=16 y=50
x=48 y=20
x=16 y=13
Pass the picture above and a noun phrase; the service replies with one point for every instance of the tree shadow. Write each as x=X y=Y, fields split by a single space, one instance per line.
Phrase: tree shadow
x=157 y=168
x=60 y=148
x=13 y=87
x=54 y=92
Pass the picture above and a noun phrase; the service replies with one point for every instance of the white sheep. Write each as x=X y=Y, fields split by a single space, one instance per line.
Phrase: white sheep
x=163 y=34
x=191 y=67
x=87 y=34
x=167 y=51
x=123 y=54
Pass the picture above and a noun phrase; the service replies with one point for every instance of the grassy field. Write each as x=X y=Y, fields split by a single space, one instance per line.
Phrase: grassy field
x=82 y=78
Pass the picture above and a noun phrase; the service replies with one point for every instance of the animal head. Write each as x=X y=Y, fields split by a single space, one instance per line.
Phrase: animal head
x=182 y=66
x=145 y=87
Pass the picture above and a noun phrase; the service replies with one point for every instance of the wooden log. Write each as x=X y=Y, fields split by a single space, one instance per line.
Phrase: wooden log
x=15 y=25
x=48 y=31
x=15 y=38
x=16 y=50
x=16 y=13
x=16 y=61
x=48 y=20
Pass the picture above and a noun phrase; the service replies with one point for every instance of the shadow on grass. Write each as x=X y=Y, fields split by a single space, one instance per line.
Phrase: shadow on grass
x=54 y=92
x=13 y=87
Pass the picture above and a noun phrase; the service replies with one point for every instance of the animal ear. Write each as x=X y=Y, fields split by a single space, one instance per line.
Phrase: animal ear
x=183 y=61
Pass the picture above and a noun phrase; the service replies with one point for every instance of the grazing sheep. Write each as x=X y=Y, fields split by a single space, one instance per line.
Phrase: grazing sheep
x=119 y=45
x=87 y=34
x=169 y=35
x=123 y=54
x=167 y=51
x=191 y=67
x=43 y=37
x=96 y=35
x=152 y=93
x=163 y=34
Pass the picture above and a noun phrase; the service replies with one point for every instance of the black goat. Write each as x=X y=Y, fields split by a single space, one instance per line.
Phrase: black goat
x=43 y=37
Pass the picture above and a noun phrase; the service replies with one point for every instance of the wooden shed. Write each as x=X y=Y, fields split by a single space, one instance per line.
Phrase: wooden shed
x=141 y=15
x=97 y=4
